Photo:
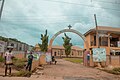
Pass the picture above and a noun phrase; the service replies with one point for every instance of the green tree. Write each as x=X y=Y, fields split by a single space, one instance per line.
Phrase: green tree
x=3 y=39
x=44 y=45
x=67 y=45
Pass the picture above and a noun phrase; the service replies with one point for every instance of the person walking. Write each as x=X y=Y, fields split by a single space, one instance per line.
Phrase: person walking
x=8 y=59
x=29 y=64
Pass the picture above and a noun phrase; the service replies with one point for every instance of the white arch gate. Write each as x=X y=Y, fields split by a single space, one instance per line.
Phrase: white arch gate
x=68 y=30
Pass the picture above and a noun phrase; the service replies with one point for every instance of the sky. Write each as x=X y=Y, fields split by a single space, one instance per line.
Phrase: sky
x=26 y=20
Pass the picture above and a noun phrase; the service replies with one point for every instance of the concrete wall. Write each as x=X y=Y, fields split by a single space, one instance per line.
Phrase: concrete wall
x=88 y=40
x=35 y=64
x=110 y=60
x=19 y=55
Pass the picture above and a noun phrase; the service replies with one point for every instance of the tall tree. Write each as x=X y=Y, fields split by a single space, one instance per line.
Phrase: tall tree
x=67 y=45
x=44 y=45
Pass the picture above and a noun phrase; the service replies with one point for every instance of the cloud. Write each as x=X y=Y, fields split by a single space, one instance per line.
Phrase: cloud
x=27 y=19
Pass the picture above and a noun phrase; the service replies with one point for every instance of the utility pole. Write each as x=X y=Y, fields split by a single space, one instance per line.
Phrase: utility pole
x=97 y=35
x=1 y=9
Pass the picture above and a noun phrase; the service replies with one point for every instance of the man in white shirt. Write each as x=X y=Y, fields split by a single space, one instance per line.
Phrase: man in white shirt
x=8 y=59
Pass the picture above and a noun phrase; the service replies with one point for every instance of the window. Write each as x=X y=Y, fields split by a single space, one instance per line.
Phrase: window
x=54 y=53
x=113 y=42
x=72 y=53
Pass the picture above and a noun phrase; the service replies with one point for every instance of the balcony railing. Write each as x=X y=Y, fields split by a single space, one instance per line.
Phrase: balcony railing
x=93 y=43
x=105 y=43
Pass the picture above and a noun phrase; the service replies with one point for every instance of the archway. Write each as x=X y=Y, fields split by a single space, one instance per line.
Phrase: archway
x=68 y=30
x=73 y=31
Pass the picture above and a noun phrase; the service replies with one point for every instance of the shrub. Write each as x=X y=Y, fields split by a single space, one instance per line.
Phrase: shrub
x=2 y=59
x=114 y=71
x=117 y=69
x=23 y=60
x=22 y=74
x=19 y=63
x=14 y=60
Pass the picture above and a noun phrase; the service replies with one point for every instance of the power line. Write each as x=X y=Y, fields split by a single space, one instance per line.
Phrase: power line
x=53 y=16
x=41 y=18
x=46 y=22
x=43 y=23
x=38 y=17
x=73 y=18
x=106 y=2
x=81 y=4
x=48 y=16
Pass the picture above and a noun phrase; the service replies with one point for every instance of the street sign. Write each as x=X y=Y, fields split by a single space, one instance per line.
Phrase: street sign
x=48 y=57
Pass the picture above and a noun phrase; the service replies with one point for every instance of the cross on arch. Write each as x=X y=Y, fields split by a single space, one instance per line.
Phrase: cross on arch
x=69 y=26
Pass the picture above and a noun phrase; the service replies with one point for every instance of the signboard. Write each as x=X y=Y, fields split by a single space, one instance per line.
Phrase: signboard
x=48 y=57
x=2 y=46
x=99 y=54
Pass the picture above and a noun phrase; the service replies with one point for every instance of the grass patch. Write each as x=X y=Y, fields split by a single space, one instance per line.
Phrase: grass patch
x=19 y=64
x=19 y=60
x=22 y=74
x=74 y=60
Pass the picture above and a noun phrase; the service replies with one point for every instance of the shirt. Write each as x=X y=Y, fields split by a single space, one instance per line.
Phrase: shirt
x=30 y=58
x=88 y=56
x=8 y=56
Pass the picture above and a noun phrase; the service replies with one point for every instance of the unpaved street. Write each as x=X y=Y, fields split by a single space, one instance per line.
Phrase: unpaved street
x=65 y=70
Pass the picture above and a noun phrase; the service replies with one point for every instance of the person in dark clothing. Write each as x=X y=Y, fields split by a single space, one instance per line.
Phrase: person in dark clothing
x=29 y=64
x=53 y=59
x=88 y=59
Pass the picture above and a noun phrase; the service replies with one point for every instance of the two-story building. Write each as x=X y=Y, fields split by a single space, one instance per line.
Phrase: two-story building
x=108 y=37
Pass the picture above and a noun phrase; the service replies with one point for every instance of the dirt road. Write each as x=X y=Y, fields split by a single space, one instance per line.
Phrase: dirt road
x=65 y=70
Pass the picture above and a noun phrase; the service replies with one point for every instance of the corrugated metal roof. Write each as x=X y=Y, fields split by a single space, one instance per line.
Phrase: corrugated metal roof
x=104 y=28
x=61 y=47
